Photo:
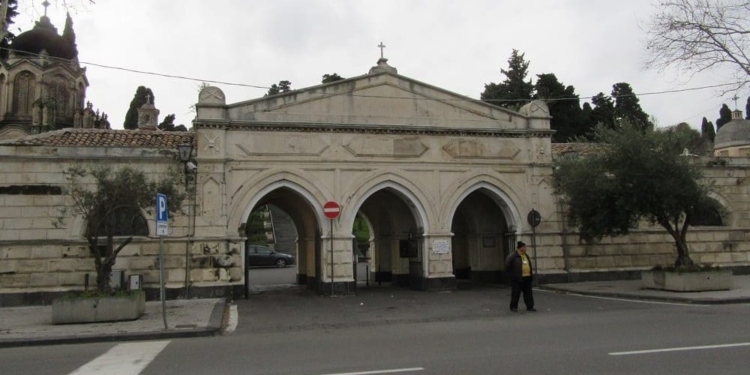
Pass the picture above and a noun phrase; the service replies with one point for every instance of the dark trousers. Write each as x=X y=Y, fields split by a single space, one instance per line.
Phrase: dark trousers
x=518 y=287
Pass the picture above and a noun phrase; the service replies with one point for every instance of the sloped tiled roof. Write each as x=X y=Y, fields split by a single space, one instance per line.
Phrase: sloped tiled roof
x=580 y=149
x=104 y=138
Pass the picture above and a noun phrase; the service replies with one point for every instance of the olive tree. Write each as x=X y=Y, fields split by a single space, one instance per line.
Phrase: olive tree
x=111 y=203
x=633 y=177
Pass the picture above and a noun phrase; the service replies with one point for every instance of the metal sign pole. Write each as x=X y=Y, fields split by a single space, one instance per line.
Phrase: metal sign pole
x=162 y=229
x=161 y=282
x=331 y=238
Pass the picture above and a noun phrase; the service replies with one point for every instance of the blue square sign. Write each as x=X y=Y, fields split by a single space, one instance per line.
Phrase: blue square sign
x=162 y=215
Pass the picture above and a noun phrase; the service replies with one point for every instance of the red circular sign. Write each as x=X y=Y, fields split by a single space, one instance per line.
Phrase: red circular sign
x=331 y=209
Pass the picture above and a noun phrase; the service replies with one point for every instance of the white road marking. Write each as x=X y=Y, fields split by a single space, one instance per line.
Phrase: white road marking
x=681 y=349
x=639 y=301
x=124 y=359
x=233 y=319
x=381 y=371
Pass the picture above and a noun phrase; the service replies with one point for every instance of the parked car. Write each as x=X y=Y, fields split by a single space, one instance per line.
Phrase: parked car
x=262 y=256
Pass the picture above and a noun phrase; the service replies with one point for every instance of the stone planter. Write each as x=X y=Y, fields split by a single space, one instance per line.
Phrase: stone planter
x=98 y=309
x=699 y=281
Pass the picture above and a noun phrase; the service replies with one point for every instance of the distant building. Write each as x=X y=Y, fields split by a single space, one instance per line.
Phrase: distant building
x=733 y=139
x=43 y=86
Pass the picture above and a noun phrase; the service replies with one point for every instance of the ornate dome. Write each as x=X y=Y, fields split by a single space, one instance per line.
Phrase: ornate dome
x=44 y=37
x=735 y=133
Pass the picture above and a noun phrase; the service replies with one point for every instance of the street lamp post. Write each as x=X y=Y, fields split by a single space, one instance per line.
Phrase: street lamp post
x=185 y=151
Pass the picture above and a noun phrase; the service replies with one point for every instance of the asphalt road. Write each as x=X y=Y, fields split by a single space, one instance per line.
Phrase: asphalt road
x=464 y=332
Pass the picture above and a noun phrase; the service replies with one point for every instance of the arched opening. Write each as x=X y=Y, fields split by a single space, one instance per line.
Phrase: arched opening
x=482 y=237
x=394 y=248
x=709 y=214
x=282 y=247
x=24 y=88
x=363 y=258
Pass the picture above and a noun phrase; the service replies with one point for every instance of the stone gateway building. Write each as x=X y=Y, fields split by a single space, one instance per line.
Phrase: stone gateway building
x=443 y=182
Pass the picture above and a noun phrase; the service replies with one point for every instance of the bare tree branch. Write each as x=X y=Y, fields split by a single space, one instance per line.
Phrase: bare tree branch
x=699 y=35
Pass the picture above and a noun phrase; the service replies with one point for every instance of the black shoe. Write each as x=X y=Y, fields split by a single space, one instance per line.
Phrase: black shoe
x=513 y=310
x=531 y=310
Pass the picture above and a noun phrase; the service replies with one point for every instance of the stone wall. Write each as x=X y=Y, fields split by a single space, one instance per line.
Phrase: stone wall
x=647 y=246
x=40 y=252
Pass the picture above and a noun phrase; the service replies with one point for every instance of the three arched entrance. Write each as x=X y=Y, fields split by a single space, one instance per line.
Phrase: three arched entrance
x=402 y=241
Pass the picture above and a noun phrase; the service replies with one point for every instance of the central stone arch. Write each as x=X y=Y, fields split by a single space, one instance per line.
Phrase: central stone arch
x=399 y=221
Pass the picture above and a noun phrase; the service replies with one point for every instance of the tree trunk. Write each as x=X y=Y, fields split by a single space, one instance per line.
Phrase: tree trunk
x=103 y=274
x=683 y=254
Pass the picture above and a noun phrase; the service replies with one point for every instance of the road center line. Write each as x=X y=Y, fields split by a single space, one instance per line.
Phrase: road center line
x=381 y=371
x=124 y=359
x=681 y=349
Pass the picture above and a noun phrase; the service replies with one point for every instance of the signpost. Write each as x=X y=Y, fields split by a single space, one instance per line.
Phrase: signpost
x=162 y=230
x=331 y=210
x=534 y=218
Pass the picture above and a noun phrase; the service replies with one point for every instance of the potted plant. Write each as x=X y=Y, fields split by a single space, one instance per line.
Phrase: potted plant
x=634 y=175
x=112 y=213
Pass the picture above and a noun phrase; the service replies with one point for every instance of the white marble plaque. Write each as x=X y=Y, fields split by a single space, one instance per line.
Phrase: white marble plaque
x=440 y=247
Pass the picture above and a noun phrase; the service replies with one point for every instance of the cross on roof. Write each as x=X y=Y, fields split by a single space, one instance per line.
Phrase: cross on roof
x=381 y=45
x=148 y=98
x=735 y=101
x=45 y=4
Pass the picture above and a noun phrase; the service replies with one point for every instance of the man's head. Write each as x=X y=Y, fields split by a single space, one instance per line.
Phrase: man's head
x=521 y=247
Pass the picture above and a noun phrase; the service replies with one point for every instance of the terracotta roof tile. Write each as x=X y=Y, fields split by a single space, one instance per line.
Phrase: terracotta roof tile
x=105 y=138
x=582 y=149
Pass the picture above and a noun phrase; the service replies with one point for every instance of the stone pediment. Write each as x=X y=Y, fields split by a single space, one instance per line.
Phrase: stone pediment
x=376 y=100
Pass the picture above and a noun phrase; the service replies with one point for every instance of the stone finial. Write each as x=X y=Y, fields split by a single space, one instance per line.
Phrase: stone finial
x=383 y=67
x=211 y=95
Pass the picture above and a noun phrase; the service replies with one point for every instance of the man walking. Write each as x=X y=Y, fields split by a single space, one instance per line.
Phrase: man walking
x=518 y=265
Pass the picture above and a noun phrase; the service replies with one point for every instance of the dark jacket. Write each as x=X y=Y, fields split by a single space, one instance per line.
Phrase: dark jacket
x=513 y=264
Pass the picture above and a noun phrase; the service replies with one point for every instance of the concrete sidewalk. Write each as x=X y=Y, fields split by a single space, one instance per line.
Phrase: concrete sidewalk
x=32 y=325
x=24 y=326
x=631 y=289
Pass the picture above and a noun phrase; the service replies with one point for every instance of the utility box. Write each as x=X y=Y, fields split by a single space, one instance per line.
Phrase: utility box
x=117 y=279
x=135 y=282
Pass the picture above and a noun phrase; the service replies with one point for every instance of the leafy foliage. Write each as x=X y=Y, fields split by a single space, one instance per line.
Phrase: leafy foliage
x=514 y=91
x=635 y=176
x=707 y=130
x=725 y=115
x=567 y=117
x=113 y=208
x=168 y=125
x=627 y=107
x=255 y=228
x=9 y=36
x=139 y=99
x=328 y=78
x=283 y=86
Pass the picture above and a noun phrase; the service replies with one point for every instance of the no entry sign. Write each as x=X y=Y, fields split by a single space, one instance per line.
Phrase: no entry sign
x=331 y=209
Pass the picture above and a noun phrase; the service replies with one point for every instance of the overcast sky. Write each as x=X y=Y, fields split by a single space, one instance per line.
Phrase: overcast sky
x=456 y=45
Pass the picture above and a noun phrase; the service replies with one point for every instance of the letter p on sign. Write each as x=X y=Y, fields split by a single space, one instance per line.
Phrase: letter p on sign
x=162 y=215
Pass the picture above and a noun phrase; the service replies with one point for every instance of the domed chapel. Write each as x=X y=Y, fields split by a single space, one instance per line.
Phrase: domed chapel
x=42 y=84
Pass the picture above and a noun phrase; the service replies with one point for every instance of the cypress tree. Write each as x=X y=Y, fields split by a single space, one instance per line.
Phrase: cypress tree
x=707 y=130
x=725 y=115
x=139 y=99
x=514 y=91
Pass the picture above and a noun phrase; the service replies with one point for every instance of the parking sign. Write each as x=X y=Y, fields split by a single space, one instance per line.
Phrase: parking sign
x=162 y=215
